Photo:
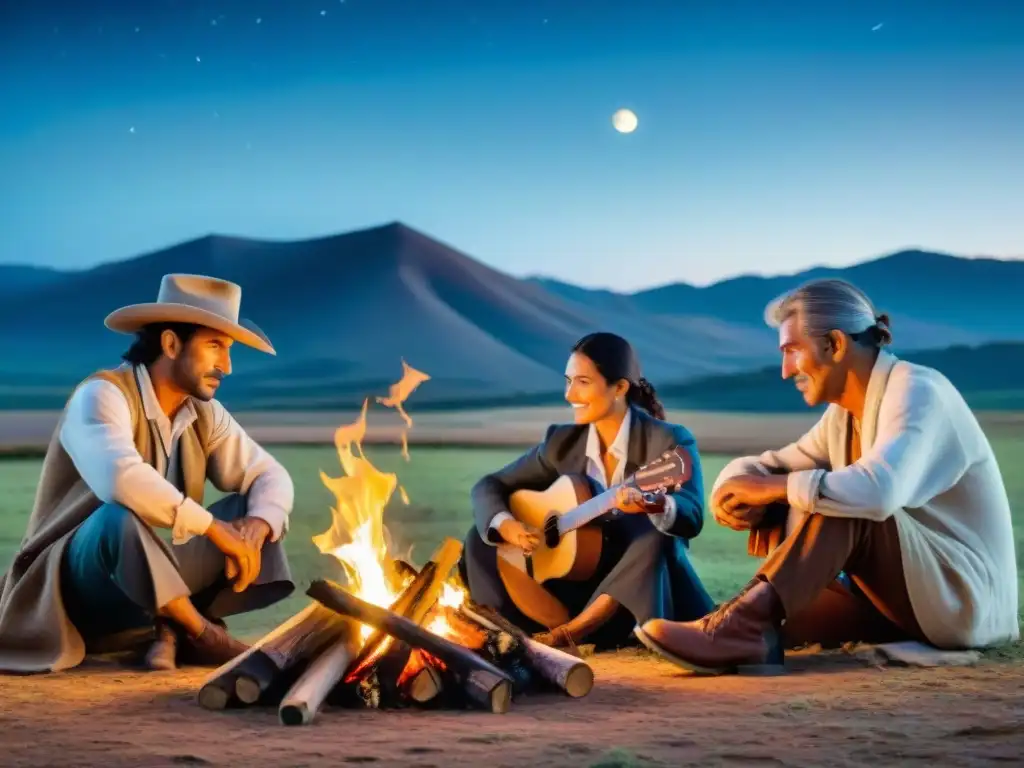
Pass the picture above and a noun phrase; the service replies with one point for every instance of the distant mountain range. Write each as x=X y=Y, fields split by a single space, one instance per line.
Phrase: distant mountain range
x=344 y=310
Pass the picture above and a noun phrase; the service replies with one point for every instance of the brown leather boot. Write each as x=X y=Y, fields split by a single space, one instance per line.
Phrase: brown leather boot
x=211 y=647
x=163 y=653
x=741 y=635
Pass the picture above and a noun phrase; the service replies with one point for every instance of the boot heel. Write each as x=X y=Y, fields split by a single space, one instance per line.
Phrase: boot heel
x=775 y=661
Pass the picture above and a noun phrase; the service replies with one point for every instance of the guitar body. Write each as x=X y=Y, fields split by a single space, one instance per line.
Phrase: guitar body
x=577 y=553
x=570 y=547
x=574 y=558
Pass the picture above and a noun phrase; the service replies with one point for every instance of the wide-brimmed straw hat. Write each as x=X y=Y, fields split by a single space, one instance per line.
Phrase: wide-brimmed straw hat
x=206 y=301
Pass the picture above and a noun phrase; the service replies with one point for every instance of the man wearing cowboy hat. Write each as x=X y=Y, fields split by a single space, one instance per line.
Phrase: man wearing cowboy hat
x=131 y=455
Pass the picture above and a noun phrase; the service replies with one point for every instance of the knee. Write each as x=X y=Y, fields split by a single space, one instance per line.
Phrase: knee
x=112 y=520
x=106 y=532
x=232 y=507
x=649 y=542
x=477 y=557
x=472 y=544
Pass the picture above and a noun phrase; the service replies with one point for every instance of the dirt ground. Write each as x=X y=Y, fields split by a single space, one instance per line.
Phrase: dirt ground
x=830 y=709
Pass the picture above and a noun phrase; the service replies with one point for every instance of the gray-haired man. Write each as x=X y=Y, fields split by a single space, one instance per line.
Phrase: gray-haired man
x=896 y=486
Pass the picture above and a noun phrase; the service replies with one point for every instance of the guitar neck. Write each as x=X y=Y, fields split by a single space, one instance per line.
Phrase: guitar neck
x=588 y=510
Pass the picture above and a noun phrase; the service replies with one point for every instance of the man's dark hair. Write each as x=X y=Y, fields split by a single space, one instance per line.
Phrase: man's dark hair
x=146 y=349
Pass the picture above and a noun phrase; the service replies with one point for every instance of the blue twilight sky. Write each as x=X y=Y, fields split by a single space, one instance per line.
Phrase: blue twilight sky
x=773 y=134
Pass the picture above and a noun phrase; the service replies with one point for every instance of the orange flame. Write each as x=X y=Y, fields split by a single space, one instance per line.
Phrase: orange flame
x=358 y=538
x=398 y=394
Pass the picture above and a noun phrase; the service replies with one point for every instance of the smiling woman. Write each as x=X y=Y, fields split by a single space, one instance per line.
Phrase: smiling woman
x=641 y=568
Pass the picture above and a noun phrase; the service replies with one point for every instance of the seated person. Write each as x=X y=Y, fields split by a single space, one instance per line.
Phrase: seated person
x=896 y=487
x=644 y=571
x=132 y=454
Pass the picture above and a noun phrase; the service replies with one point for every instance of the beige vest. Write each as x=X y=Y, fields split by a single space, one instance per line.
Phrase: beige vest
x=35 y=633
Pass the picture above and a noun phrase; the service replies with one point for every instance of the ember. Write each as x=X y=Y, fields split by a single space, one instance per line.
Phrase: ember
x=392 y=636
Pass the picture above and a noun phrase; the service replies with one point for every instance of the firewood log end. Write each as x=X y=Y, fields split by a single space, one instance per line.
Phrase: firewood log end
x=488 y=691
x=216 y=694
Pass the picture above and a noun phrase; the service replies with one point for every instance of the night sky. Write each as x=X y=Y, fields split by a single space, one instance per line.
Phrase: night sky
x=773 y=135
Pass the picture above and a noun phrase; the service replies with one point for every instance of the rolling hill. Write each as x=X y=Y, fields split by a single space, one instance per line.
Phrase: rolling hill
x=344 y=310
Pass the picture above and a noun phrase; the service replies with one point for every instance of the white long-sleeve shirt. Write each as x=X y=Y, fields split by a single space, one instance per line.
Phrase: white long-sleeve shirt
x=97 y=435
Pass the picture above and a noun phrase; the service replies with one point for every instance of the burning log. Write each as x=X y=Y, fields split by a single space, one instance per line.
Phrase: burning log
x=302 y=702
x=484 y=684
x=250 y=674
x=423 y=683
x=415 y=602
x=569 y=673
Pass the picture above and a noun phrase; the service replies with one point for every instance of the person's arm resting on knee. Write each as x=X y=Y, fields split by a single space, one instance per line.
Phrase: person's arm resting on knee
x=238 y=464
x=916 y=455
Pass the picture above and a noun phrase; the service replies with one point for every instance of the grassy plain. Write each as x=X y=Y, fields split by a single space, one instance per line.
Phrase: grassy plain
x=437 y=480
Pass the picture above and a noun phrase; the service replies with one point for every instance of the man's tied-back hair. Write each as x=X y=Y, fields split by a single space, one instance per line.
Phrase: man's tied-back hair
x=831 y=304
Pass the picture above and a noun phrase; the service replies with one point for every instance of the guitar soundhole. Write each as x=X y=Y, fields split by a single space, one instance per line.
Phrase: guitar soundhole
x=551 y=535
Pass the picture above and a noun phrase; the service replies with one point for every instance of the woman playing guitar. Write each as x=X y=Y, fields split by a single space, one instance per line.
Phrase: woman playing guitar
x=641 y=569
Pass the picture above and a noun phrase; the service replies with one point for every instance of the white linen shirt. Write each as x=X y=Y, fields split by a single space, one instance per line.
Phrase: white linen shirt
x=97 y=435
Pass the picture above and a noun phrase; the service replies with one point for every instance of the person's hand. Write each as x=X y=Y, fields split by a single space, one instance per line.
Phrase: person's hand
x=631 y=501
x=242 y=554
x=255 y=530
x=739 y=503
x=518 y=535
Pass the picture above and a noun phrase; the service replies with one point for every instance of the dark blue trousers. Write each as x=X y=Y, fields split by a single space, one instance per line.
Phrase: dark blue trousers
x=114 y=578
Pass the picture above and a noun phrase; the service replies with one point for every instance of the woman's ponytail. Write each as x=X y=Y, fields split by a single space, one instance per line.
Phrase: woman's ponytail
x=642 y=395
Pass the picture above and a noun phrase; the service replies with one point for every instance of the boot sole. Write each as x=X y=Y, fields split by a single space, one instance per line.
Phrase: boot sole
x=758 y=670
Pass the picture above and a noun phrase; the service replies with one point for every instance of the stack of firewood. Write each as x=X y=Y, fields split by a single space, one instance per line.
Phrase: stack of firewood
x=319 y=657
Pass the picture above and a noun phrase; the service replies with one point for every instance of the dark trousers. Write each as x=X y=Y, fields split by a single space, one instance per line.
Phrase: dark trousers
x=646 y=571
x=115 y=576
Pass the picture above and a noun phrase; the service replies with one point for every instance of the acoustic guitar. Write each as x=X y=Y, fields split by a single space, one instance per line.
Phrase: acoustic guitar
x=570 y=546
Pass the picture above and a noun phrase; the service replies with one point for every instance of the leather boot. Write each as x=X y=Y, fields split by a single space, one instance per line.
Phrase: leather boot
x=211 y=647
x=163 y=652
x=741 y=635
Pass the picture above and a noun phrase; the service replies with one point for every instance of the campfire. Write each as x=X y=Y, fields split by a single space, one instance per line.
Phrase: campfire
x=392 y=635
